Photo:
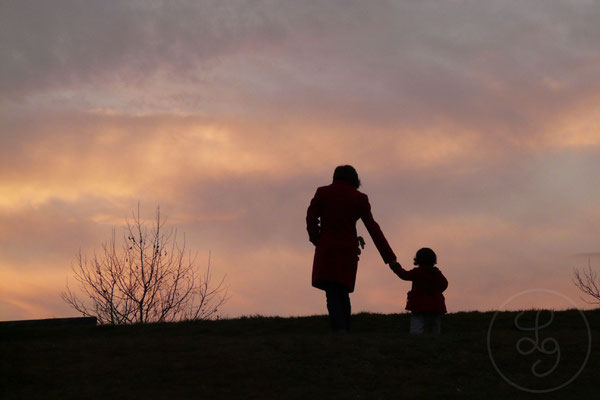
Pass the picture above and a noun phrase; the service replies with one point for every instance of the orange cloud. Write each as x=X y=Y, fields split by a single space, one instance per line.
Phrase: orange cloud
x=463 y=137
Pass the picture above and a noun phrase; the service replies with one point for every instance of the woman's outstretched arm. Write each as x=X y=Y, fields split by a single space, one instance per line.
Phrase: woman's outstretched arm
x=376 y=234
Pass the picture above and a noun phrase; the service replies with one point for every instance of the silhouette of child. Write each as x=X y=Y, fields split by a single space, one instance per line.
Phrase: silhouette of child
x=425 y=300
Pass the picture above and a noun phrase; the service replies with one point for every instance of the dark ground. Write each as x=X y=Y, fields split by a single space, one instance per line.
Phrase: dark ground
x=298 y=358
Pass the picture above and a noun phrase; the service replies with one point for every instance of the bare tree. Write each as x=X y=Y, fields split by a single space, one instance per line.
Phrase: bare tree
x=586 y=281
x=149 y=277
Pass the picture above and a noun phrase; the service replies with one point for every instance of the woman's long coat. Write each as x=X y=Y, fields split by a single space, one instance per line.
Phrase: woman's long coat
x=331 y=225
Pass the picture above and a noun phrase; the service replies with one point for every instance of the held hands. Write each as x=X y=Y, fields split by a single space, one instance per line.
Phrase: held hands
x=395 y=266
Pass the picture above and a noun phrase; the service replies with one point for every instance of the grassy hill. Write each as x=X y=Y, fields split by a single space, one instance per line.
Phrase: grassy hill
x=298 y=358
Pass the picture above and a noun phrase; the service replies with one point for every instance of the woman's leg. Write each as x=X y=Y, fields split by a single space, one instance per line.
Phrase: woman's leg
x=347 y=308
x=338 y=305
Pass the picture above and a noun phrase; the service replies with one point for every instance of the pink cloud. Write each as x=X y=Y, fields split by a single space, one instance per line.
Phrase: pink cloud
x=471 y=135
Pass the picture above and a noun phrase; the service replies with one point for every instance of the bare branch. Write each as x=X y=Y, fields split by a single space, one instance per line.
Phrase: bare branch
x=148 y=277
x=586 y=281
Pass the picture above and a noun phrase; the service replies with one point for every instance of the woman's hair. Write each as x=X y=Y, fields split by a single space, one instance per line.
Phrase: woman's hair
x=425 y=256
x=347 y=173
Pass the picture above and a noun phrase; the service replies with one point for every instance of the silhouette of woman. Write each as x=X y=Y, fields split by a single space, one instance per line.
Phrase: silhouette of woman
x=331 y=225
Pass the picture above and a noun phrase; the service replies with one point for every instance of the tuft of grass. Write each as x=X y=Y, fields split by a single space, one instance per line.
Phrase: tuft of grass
x=295 y=358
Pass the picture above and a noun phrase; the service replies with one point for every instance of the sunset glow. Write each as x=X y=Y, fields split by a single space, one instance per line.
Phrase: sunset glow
x=473 y=136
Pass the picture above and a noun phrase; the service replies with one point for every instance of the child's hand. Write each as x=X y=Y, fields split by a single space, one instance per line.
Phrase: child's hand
x=395 y=265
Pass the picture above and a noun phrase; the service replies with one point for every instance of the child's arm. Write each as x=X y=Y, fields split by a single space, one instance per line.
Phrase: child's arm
x=442 y=282
x=401 y=272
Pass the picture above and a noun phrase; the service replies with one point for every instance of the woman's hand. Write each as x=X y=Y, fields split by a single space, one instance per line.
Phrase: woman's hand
x=395 y=266
x=361 y=244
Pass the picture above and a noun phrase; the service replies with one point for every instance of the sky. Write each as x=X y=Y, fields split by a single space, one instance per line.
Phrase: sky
x=474 y=127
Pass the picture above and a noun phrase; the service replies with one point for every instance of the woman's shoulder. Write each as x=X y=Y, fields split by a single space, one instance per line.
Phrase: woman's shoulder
x=341 y=187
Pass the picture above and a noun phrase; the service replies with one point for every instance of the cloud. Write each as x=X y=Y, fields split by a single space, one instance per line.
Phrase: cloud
x=473 y=127
x=587 y=255
x=68 y=42
x=405 y=63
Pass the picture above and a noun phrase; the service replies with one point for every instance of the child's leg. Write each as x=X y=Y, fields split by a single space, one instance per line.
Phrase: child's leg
x=417 y=323
x=434 y=323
